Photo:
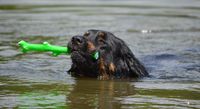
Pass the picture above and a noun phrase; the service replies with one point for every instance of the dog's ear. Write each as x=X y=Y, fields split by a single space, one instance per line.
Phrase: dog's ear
x=136 y=69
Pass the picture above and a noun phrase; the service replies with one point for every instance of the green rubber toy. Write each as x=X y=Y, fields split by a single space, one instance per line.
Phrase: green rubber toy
x=56 y=50
x=45 y=47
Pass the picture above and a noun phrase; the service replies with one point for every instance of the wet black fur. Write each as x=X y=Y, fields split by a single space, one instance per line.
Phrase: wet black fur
x=111 y=48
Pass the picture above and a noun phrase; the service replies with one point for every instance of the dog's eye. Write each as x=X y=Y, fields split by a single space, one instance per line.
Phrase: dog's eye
x=79 y=41
x=103 y=48
x=86 y=34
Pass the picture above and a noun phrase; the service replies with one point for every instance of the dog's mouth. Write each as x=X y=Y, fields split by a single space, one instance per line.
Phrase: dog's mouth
x=74 y=49
x=82 y=57
x=79 y=49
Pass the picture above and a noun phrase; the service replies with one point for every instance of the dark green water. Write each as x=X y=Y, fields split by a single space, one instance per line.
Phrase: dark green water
x=163 y=34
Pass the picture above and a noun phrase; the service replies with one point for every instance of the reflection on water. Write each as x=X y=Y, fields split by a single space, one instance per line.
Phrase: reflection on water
x=92 y=94
x=21 y=94
x=163 y=34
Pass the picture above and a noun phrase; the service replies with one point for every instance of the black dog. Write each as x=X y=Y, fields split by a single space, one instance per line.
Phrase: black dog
x=113 y=57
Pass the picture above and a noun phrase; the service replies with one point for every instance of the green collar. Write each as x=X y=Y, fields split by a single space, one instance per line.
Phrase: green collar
x=95 y=55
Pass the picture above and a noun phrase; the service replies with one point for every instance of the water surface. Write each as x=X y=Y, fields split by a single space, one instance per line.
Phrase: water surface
x=163 y=34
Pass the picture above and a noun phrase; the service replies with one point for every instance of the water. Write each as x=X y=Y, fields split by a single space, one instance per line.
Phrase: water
x=163 y=34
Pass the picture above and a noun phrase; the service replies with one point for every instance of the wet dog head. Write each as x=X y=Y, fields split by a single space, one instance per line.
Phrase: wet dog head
x=114 y=58
x=82 y=55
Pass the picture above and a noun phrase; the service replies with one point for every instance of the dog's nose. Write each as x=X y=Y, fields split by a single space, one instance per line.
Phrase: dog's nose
x=77 y=39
